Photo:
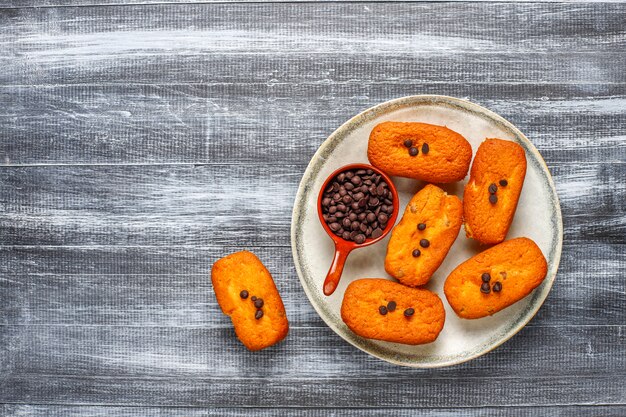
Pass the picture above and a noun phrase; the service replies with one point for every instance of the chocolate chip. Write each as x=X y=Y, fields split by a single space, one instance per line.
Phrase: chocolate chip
x=424 y=243
x=326 y=202
x=341 y=177
x=380 y=189
x=425 y=148
x=243 y=294
x=335 y=186
x=363 y=227
x=391 y=306
x=359 y=239
x=409 y=312
x=336 y=196
x=373 y=202
x=349 y=186
x=354 y=206
x=358 y=196
x=486 y=277
x=497 y=287
x=361 y=172
x=346 y=223
x=332 y=210
x=370 y=172
x=342 y=208
x=408 y=143
x=382 y=310
x=371 y=217
x=346 y=199
x=355 y=225
x=258 y=314
x=345 y=235
x=376 y=233
x=349 y=175
x=484 y=288
x=493 y=199
x=413 y=151
x=258 y=303
x=416 y=253
x=421 y=226
x=334 y=226
x=361 y=216
x=356 y=180
x=389 y=209
x=253 y=298
x=383 y=218
x=493 y=189
x=503 y=183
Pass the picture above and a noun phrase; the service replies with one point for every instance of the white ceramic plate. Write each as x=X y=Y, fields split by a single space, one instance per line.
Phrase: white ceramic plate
x=538 y=217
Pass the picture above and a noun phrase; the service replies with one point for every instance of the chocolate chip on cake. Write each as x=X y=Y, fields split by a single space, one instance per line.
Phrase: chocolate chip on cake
x=258 y=303
x=425 y=148
x=484 y=288
x=424 y=243
x=382 y=310
x=493 y=199
x=416 y=253
x=421 y=226
x=258 y=314
x=504 y=183
x=408 y=143
x=486 y=277
x=409 y=312
x=493 y=189
x=497 y=287
x=413 y=151
x=391 y=306
x=243 y=294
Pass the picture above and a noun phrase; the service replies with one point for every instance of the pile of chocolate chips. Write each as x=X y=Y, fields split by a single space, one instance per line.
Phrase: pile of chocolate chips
x=485 y=288
x=258 y=303
x=357 y=205
x=493 y=189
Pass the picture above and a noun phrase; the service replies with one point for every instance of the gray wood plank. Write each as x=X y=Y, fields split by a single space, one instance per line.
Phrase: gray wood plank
x=218 y=123
x=155 y=353
x=170 y=287
x=46 y=410
x=333 y=393
x=218 y=204
x=17 y=4
x=278 y=41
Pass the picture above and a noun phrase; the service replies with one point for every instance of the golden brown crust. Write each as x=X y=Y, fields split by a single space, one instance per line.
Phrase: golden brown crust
x=244 y=271
x=448 y=158
x=360 y=312
x=517 y=264
x=495 y=160
x=442 y=214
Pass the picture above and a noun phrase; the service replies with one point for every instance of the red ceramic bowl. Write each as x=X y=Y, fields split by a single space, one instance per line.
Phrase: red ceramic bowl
x=344 y=247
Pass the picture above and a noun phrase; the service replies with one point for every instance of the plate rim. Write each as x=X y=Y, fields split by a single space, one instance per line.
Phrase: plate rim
x=476 y=108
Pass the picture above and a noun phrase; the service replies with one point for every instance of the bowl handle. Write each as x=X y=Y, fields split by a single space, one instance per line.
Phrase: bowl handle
x=336 y=268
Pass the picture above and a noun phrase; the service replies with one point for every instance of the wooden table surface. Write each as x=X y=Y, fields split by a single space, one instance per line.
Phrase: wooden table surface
x=141 y=142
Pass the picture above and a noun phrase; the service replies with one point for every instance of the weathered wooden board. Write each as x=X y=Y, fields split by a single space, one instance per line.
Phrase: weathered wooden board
x=42 y=410
x=139 y=143
x=197 y=205
x=260 y=123
x=163 y=351
x=156 y=286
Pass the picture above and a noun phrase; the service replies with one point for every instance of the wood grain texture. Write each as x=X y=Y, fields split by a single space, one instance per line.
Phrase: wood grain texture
x=140 y=143
x=107 y=286
x=43 y=410
x=144 y=124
